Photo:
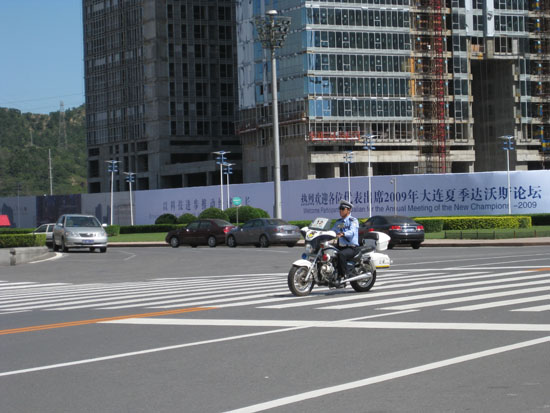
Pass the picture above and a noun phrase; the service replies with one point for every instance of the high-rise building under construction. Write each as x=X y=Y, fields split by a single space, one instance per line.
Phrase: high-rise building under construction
x=437 y=84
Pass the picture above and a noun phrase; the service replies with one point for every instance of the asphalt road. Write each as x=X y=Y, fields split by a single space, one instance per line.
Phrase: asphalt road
x=216 y=330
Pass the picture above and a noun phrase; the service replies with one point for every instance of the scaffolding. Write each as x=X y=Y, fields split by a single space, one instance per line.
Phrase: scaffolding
x=540 y=49
x=429 y=84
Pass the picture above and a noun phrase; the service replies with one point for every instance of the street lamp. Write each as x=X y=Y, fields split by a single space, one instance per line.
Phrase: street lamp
x=370 y=147
x=112 y=168
x=272 y=31
x=220 y=160
x=508 y=146
x=130 y=178
x=228 y=171
x=348 y=158
x=394 y=182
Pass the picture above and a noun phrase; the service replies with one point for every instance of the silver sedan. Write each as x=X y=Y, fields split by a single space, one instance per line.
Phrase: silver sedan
x=79 y=231
x=264 y=231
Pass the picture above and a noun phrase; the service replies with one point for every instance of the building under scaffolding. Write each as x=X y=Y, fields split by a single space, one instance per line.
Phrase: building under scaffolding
x=435 y=82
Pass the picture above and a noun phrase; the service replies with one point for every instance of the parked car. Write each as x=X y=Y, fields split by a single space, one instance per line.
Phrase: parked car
x=48 y=230
x=402 y=230
x=209 y=232
x=263 y=232
x=79 y=231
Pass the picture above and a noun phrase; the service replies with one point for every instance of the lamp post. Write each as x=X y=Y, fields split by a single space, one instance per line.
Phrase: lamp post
x=348 y=158
x=508 y=146
x=130 y=178
x=370 y=147
x=220 y=160
x=112 y=168
x=228 y=171
x=394 y=182
x=272 y=31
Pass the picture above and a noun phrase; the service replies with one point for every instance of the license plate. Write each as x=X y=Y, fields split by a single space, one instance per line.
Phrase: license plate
x=88 y=241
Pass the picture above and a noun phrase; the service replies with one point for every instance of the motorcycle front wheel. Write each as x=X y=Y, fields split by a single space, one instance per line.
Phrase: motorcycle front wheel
x=297 y=283
x=365 y=284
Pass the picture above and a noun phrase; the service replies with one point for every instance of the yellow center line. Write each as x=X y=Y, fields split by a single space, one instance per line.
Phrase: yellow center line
x=100 y=320
x=541 y=269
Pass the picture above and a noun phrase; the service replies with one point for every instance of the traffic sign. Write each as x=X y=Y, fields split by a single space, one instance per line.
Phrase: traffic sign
x=236 y=201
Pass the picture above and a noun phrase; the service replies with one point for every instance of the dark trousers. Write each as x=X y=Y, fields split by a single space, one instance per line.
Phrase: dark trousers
x=345 y=254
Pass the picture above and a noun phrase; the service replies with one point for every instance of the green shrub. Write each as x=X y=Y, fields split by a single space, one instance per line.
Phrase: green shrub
x=477 y=222
x=22 y=240
x=540 y=219
x=141 y=229
x=301 y=223
x=186 y=218
x=166 y=219
x=214 y=213
x=246 y=213
x=112 y=230
x=430 y=224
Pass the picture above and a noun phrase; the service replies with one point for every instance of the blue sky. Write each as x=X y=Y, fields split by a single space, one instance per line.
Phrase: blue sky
x=41 y=54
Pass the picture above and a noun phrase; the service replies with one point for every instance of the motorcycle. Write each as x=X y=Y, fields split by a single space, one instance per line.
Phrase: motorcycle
x=318 y=264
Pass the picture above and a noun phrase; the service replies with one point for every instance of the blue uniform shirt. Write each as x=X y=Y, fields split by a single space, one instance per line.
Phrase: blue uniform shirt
x=350 y=227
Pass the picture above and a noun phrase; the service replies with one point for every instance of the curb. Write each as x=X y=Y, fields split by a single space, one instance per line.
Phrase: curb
x=515 y=242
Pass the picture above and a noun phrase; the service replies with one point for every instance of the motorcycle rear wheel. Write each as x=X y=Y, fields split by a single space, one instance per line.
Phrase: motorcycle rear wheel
x=365 y=284
x=296 y=283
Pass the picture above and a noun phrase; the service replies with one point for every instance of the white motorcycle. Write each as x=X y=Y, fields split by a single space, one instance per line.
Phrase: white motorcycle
x=319 y=261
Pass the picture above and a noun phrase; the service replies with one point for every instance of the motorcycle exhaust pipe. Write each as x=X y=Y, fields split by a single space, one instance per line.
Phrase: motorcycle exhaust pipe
x=357 y=278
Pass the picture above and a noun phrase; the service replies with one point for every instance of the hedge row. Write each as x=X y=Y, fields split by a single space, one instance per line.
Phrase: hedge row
x=16 y=230
x=141 y=229
x=437 y=224
x=22 y=240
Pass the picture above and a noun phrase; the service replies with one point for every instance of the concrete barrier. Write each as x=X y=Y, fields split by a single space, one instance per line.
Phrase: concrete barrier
x=14 y=256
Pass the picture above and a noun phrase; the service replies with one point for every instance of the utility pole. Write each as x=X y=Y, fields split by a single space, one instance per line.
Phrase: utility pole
x=62 y=127
x=50 y=170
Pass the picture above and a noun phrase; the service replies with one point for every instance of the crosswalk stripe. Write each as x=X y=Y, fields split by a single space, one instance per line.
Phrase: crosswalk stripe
x=395 y=290
x=73 y=303
x=503 y=303
x=538 y=308
x=376 y=293
x=470 y=298
x=434 y=295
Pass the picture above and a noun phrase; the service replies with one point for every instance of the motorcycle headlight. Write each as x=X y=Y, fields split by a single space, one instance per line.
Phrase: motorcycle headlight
x=309 y=249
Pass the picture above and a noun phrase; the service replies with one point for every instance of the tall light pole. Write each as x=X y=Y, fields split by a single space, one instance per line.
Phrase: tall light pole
x=394 y=182
x=112 y=168
x=508 y=146
x=130 y=178
x=220 y=160
x=348 y=158
x=228 y=171
x=272 y=31
x=370 y=147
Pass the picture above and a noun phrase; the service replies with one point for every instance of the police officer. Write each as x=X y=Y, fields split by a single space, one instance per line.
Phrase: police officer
x=347 y=231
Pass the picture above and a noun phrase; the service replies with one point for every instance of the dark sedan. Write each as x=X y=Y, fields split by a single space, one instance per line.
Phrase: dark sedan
x=209 y=232
x=264 y=231
x=402 y=230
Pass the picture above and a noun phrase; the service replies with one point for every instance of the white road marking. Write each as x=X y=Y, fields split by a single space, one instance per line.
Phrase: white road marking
x=284 y=401
x=535 y=309
x=502 y=303
x=55 y=257
x=174 y=347
x=372 y=297
x=472 y=297
x=72 y=302
x=389 y=325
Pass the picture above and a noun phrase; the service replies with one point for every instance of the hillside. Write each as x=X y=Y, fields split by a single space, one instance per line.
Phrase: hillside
x=24 y=142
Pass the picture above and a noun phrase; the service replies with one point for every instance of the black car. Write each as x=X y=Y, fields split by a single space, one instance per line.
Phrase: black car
x=402 y=230
x=202 y=232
